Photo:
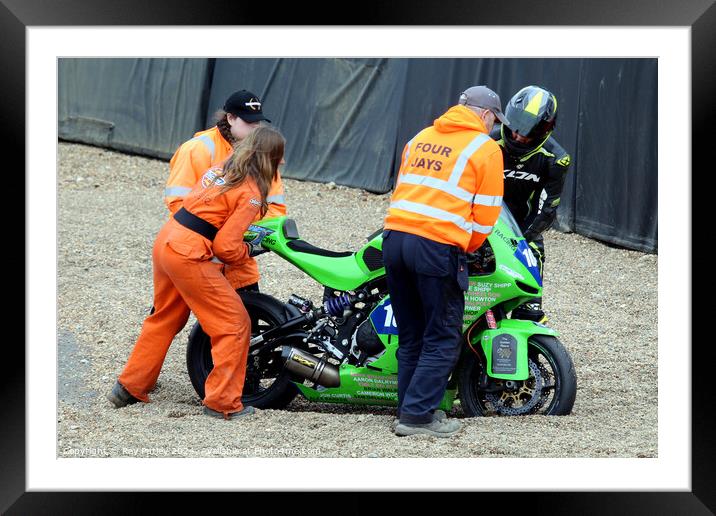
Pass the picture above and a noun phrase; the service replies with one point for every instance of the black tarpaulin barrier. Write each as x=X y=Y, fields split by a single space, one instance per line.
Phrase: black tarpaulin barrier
x=347 y=120
x=143 y=106
x=616 y=191
x=340 y=116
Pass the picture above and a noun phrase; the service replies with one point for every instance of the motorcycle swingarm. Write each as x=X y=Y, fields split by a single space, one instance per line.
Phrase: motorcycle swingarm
x=274 y=337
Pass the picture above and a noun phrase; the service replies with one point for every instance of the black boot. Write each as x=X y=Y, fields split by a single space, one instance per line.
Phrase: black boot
x=120 y=397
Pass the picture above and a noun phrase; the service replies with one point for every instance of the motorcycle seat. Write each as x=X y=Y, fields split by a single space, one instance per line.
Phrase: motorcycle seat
x=338 y=270
x=302 y=246
x=290 y=231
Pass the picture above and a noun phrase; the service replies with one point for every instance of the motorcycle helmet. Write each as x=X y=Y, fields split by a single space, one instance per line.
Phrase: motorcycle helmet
x=532 y=113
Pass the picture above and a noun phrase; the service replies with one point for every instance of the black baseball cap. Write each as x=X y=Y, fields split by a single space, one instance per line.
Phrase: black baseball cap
x=245 y=105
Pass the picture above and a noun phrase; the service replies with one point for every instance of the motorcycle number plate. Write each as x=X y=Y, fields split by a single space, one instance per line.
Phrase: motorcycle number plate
x=504 y=354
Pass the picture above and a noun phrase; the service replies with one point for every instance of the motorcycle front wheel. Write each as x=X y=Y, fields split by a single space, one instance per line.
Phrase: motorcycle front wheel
x=268 y=384
x=550 y=389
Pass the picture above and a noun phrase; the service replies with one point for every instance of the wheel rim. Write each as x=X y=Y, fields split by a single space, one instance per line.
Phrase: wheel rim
x=262 y=370
x=535 y=395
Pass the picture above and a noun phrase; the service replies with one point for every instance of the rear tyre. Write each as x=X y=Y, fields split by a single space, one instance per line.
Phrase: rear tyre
x=267 y=384
x=550 y=389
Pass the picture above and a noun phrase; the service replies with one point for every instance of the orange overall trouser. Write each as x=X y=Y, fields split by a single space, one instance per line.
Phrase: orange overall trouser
x=181 y=285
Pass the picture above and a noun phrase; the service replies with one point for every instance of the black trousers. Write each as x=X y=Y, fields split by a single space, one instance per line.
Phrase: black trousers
x=426 y=281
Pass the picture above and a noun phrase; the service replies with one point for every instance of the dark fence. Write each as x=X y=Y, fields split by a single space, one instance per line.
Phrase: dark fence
x=346 y=120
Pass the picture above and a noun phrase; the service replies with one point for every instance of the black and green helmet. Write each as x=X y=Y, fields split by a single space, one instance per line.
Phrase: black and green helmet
x=532 y=112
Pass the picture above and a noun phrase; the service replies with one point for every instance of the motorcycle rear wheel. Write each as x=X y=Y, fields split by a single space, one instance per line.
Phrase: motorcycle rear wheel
x=267 y=386
x=548 y=359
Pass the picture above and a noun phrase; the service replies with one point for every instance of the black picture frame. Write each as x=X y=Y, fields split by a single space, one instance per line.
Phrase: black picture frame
x=700 y=15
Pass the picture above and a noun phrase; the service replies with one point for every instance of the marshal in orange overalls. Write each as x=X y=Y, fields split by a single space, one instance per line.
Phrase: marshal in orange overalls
x=192 y=159
x=187 y=278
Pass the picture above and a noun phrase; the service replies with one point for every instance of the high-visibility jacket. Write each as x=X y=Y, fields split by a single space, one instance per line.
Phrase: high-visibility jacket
x=450 y=185
x=209 y=149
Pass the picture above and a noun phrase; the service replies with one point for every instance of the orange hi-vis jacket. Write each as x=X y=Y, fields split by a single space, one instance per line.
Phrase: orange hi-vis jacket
x=450 y=185
x=209 y=149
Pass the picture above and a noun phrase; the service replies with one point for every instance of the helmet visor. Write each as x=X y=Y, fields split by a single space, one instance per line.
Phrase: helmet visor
x=522 y=122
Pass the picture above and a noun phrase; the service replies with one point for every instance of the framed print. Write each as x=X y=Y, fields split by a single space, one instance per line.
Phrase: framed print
x=549 y=30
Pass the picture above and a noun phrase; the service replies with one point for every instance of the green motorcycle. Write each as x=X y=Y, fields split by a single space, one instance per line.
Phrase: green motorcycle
x=343 y=350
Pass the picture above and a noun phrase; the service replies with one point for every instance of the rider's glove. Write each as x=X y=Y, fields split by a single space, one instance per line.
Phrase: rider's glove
x=530 y=235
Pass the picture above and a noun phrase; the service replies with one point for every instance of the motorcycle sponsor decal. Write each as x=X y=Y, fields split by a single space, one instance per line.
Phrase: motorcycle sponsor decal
x=510 y=272
x=479 y=286
x=479 y=296
x=259 y=229
x=504 y=354
x=383 y=319
x=525 y=255
x=376 y=382
x=393 y=395
x=488 y=299
x=509 y=241
x=340 y=395
x=256 y=234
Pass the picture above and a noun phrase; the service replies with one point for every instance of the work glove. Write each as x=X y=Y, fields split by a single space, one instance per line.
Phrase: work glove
x=255 y=249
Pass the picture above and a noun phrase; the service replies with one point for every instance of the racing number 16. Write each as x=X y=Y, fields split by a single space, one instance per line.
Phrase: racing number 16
x=389 y=317
x=531 y=260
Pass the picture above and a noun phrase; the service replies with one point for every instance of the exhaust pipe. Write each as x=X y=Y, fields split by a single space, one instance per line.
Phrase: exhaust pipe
x=318 y=370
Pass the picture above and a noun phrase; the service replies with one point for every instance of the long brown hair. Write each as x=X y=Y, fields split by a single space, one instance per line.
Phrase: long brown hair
x=256 y=156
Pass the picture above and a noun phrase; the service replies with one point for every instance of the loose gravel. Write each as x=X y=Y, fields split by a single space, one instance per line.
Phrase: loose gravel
x=602 y=300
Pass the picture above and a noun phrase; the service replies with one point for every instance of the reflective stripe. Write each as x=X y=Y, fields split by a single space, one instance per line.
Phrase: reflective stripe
x=216 y=260
x=461 y=162
x=405 y=162
x=485 y=230
x=455 y=191
x=435 y=213
x=488 y=200
x=276 y=199
x=208 y=142
x=438 y=184
x=178 y=191
x=407 y=153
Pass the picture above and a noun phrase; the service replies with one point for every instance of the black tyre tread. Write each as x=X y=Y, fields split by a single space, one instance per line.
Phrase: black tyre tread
x=282 y=391
x=563 y=405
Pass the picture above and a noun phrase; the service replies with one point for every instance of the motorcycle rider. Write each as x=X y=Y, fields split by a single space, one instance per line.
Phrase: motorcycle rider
x=536 y=167
x=241 y=114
